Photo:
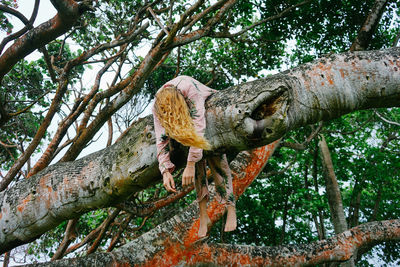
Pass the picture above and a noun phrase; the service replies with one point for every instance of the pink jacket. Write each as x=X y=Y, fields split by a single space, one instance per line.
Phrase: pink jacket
x=195 y=94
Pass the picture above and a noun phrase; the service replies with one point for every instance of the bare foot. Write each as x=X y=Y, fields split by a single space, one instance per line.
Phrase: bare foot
x=204 y=219
x=203 y=228
x=231 y=223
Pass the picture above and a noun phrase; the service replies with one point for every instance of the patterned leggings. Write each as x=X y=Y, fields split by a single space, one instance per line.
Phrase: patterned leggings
x=222 y=178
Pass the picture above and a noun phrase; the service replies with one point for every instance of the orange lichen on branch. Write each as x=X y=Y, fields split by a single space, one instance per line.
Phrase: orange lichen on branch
x=259 y=158
x=343 y=73
x=24 y=202
x=327 y=72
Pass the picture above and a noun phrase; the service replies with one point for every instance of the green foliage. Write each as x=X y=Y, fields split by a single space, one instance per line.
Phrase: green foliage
x=23 y=85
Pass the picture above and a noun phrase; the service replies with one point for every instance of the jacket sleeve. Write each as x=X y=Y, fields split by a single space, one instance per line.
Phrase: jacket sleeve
x=162 y=142
x=196 y=101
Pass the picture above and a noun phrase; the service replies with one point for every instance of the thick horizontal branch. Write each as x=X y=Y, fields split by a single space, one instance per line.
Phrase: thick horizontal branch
x=339 y=248
x=239 y=118
x=336 y=249
x=261 y=111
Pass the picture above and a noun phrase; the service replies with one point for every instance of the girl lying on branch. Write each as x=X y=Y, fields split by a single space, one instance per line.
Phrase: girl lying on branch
x=178 y=113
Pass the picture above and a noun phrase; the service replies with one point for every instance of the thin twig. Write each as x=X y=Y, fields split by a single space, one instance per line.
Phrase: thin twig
x=386 y=120
x=49 y=64
x=7 y=145
x=303 y=146
x=121 y=229
x=104 y=226
x=158 y=21
x=30 y=105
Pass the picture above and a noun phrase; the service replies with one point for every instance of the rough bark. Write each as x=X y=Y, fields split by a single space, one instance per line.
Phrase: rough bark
x=245 y=116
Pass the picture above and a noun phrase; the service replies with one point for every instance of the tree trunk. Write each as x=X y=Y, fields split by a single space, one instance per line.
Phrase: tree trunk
x=376 y=205
x=333 y=194
x=332 y=189
x=243 y=117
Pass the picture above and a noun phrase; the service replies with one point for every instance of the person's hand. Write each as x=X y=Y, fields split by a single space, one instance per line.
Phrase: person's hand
x=188 y=174
x=169 y=182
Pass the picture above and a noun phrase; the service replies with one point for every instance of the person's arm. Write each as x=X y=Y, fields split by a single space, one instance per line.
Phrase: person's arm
x=165 y=165
x=197 y=112
x=189 y=173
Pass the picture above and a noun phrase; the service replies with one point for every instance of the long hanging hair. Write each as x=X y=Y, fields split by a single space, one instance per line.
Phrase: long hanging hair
x=173 y=113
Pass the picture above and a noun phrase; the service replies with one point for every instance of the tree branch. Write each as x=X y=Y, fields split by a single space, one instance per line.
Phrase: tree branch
x=121 y=229
x=197 y=17
x=15 y=13
x=38 y=136
x=386 y=120
x=336 y=249
x=192 y=36
x=103 y=229
x=69 y=236
x=49 y=64
x=28 y=24
x=364 y=36
x=339 y=248
x=79 y=107
x=43 y=34
x=303 y=146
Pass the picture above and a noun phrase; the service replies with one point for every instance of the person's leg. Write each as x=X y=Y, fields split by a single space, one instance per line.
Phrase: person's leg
x=231 y=220
x=201 y=186
x=204 y=219
x=223 y=184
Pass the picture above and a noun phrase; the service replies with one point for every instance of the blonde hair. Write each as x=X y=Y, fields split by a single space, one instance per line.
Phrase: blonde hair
x=173 y=113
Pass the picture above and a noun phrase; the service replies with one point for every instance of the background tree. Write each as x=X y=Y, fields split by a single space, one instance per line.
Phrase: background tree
x=215 y=43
